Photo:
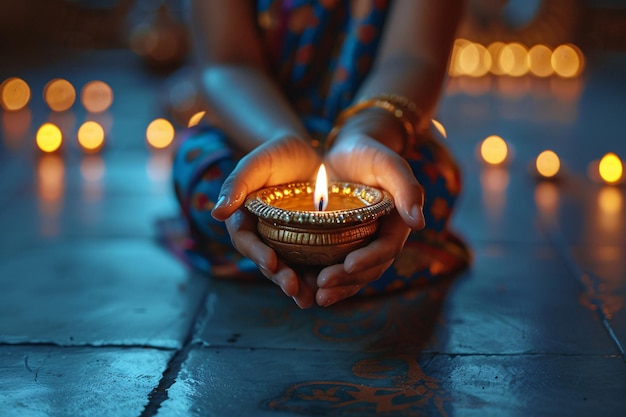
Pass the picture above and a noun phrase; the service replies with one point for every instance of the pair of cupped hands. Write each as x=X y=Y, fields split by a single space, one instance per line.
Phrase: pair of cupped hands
x=355 y=158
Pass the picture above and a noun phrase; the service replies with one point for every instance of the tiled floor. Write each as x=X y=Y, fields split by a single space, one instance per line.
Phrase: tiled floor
x=97 y=319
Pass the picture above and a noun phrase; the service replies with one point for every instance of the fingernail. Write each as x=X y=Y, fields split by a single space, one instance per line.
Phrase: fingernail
x=353 y=268
x=266 y=272
x=325 y=301
x=415 y=214
x=221 y=201
x=295 y=300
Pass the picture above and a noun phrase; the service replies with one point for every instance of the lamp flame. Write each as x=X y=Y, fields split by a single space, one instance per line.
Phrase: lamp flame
x=321 y=190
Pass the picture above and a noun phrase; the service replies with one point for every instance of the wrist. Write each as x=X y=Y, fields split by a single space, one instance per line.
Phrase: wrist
x=392 y=120
x=373 y=123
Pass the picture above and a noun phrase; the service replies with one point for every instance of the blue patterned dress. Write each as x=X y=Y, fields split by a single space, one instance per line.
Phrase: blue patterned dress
x=299 y=37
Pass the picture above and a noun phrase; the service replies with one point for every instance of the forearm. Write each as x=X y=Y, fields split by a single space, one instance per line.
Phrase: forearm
x=412 y=63
x=231 y=73
x=249 y=106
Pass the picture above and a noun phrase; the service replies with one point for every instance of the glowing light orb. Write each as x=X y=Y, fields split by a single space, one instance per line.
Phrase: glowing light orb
x=494 y=50
x=610 y=168
x=96 y=96
x=454 y=68
x=91 y=136
x=540 y=61
x=494 y=150
x=14 y=94
x=514 y=59
x=567 y=61
x=440 y=128
x=195 y=119
x=548 y=164
x=59 y=94
x=49 y=137
x=474 y=60
x=160 y=133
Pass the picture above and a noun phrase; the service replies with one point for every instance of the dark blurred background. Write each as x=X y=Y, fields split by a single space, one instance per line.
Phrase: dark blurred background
x=27 y=25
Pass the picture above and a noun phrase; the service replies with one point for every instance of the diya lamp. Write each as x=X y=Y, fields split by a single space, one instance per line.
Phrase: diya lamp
x=318 y=224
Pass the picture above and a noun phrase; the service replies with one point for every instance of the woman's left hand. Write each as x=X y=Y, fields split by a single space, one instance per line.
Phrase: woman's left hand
x=359 y=158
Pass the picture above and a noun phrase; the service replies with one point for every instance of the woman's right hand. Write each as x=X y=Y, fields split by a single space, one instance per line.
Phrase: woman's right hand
x=276 y=162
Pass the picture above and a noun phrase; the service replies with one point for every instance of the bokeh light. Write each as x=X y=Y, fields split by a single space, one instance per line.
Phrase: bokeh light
x=610 y=210
x=567 y=61
x=440 y=128
x=547 y=197
x=610 y=168
x=91 y=136
x=513 y=59
x=96 y=96
x=160 y=133
x=49 y=137
x=15 y=127
x=548 y=164
x=473 y=60
x=494 y=150
x=494 y=182
x=50 y=178
x=610 y=200
x=540 y=61
x=59 y=94
x=14 y=94
x=196 y=118
x=495 y=49
x=92 y=168
x=454 y=68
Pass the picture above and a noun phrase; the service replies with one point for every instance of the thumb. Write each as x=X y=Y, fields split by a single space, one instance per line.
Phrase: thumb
x=245 y=178
x=398 y=179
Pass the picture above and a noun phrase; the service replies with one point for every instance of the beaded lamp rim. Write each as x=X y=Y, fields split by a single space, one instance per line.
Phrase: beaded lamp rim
x=381 y=204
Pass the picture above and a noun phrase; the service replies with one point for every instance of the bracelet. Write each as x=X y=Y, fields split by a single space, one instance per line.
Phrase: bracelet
x=404 y=110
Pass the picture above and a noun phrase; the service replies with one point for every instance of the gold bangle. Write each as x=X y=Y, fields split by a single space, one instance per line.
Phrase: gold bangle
x=404 y=110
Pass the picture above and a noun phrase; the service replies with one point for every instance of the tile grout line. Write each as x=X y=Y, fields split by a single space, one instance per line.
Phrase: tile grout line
x=159 y=394
x=558 y=239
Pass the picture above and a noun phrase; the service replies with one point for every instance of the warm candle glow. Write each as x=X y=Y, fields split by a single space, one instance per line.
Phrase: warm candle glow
x=91 y=136
x=59 y=94
x=540 y=57
x=321 y=190
x=567 y=61
x=513 y=59
x=495 y=49
x=548 y=164
x=610 y=168
x=96 y=96
x=196 y=118
x=14 y=94
x=160 y=133
x=440 y=128
x=494 y=150
x=49 y=137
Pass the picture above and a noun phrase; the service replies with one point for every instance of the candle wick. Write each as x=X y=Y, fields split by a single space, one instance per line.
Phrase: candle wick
x=321 y=204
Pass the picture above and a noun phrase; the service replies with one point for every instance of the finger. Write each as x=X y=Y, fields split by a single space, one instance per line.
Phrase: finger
x=336 y=276
x=287 y=280
x=245 y=177
x=328 y=296
x=305 y=297
x=241 y=227
x=391 y=236
x=394 y=174
x=368 y=161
